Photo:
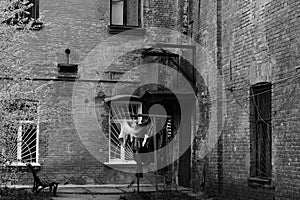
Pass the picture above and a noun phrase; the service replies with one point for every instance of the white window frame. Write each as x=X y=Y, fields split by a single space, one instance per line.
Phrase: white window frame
x=122 y=160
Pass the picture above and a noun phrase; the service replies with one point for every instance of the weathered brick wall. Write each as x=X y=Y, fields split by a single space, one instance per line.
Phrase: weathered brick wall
x=259 y=44
x=81 y=27
x=205 y=33
x=69 y=24
x=161 y=13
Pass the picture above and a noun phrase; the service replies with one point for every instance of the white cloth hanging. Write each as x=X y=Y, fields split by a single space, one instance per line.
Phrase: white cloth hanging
x=134 y=131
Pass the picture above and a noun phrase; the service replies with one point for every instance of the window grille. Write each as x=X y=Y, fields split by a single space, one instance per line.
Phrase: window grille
x=20 y=144
x=120 y=111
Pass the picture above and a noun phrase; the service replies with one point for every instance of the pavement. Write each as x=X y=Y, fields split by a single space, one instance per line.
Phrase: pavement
x=86 y=197
x=106 y=192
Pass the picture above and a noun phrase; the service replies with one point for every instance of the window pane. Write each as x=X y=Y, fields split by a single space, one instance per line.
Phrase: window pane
x=132 y=13
x=117 y=12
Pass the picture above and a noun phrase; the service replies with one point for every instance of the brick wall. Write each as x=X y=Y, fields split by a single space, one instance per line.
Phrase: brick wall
x=161 y=13
x=259 y=44
x=205 y=33
x=71 y=150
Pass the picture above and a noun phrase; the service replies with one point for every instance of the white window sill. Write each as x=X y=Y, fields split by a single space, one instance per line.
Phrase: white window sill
x=20 y=164
x=120 y=162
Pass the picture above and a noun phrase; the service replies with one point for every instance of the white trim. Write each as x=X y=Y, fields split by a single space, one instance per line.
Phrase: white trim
x=109 y=131
x=20 y=164
x=120 y=162
x=142 y=13
x=19 y=142
x=122 y=153
x=37 y=136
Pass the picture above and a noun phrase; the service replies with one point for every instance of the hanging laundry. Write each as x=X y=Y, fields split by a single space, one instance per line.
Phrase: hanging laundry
x=135 y=130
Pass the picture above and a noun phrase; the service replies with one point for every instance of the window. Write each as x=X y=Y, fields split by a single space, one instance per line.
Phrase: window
x=125 y=14
x=23 y=146
x=260 y=126
x=120 y=111
x=33 y=10
x=23 y=17
x=19 y=141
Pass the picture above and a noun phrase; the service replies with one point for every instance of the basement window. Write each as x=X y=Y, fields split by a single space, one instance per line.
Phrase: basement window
x=125 y=15
x=261 y=136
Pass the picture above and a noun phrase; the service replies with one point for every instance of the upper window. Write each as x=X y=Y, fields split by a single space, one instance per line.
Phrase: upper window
x=19 y=144
x=125 y=14
x=260 y=126
x=24 y=12
x=33 y=10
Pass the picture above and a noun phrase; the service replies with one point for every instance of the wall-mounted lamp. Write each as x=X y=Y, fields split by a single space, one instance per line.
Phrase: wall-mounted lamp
x=67 y=70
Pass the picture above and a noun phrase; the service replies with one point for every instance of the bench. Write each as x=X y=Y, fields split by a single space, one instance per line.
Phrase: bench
x=39 y=185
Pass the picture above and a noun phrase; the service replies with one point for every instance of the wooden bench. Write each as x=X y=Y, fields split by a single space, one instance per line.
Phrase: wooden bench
x=39 y=184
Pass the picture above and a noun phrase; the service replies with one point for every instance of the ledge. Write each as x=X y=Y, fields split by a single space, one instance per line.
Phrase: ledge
x=36 y=26
x=115 y=29
x=67 y=68
x=67 y=71
x=121 y=164
x=258 y=182
x=20 y=164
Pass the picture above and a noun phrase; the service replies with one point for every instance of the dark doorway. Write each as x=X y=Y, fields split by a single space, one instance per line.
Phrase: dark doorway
x=181 y=124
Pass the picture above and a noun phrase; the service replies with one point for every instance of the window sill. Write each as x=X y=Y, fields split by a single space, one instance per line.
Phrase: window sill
x=36 y=26
x=20 y=164
x=257 y=182
x=115 y=29
x=120 y=163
